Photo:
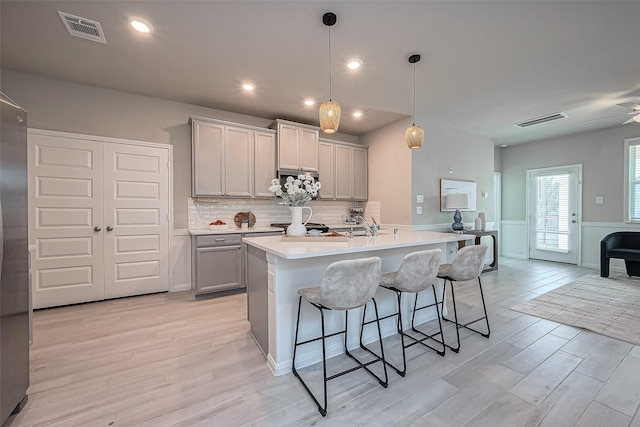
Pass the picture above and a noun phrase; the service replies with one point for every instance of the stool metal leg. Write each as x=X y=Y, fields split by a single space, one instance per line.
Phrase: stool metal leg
x=322 y=408
x=466 y=325
x=425 y=335
x=399 y=371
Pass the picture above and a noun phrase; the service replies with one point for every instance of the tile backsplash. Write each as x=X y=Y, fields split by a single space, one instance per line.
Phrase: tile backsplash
x=202 y=211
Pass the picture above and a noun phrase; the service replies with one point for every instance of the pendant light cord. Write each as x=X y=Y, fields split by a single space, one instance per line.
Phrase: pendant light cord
x=414 y=93
x=330 y=64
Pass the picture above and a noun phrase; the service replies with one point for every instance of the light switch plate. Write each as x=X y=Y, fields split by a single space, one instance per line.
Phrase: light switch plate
x=419 y=210
x=599 y=200
x=419 y=198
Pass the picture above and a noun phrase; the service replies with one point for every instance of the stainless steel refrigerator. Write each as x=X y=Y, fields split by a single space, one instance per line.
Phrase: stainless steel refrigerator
x=14 y=259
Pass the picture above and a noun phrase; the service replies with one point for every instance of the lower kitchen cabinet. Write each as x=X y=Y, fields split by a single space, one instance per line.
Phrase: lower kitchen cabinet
x=216 y=263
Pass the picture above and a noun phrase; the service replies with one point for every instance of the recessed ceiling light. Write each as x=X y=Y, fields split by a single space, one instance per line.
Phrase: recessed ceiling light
x=354 y=64
x=504 y=146
x=248 y=86
x=309 y=102
x=357 y=114
x=140 y=24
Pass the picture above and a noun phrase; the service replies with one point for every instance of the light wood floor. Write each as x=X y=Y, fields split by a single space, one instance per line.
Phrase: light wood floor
x=166 y=359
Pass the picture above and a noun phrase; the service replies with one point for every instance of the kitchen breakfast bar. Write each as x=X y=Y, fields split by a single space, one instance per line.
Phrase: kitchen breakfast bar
x=276 y=269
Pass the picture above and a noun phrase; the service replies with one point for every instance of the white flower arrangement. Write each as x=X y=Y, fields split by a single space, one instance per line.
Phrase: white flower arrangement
x=297 y=191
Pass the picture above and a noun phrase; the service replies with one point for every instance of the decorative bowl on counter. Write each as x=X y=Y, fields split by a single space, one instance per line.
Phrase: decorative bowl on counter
x=218 y=225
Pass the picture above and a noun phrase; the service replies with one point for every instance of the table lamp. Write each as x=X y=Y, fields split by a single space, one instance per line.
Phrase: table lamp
x=457 y=201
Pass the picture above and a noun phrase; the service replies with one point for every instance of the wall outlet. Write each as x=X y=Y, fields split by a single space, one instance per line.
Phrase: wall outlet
x=419 y=198
x=599 y=200
x=419 y=210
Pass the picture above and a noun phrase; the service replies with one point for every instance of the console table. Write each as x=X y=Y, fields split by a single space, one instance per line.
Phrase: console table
x=479 y=234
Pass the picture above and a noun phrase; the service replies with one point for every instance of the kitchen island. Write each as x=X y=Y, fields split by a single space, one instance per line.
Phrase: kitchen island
x=277 y=269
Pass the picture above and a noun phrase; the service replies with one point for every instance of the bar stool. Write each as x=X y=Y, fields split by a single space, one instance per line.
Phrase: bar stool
x=417 y=272
x=467 y=265
x=346 y=285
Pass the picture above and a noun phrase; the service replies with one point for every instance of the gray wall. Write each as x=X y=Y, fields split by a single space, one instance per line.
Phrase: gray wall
x=471 y=159
x=600 y=152
x=70 y=107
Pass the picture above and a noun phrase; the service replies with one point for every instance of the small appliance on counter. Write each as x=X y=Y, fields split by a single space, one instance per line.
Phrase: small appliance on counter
x=354 y=216
x=323 y=228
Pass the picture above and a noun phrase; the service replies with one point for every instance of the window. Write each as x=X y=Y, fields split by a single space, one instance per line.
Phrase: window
x=552 y=212
x=632 y=179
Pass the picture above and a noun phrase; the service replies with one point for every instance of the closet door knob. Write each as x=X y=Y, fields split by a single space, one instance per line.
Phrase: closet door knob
x=109 y=228
x=96 y=228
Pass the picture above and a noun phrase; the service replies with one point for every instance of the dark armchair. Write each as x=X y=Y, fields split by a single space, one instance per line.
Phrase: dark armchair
x=624 y=245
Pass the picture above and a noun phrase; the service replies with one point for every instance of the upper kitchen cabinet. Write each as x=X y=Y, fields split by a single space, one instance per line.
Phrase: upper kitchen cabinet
x=231 y=160
x=327 y=169
x=265 y=163
x=351 y=172
x=297 y=146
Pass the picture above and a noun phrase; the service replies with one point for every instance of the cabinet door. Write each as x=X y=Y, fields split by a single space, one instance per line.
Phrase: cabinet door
x=360 y=174
x=265 y=163
x=344 y=172
x=207 y=158
x=308 y=149
x=218 y=269
x=238 y=180
x=288 y=147
x=326 y=169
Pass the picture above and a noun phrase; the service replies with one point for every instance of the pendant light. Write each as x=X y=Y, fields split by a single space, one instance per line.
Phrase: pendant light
x=330 y=110
x=414 y=135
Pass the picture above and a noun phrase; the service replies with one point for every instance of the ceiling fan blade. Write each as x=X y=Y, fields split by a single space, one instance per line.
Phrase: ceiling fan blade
x=634 y=105
x=629 y=121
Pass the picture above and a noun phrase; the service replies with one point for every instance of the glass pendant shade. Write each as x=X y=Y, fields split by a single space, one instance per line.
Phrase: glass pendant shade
x=414 y=136
x=330 y=116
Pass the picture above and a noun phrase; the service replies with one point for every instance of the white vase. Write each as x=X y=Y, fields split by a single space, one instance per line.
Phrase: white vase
x=478 y=224
x=297 y=227
x=483 y=221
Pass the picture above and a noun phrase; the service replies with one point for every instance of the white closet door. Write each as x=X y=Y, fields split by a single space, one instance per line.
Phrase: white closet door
x=65 y=219
x=136 y=233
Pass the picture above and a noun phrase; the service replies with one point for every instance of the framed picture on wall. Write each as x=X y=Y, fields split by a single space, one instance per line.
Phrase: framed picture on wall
x=461 y=194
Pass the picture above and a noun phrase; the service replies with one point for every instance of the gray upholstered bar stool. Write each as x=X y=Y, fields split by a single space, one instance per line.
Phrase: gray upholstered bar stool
x=467 y=265
x=346 y=285
x=417 y=272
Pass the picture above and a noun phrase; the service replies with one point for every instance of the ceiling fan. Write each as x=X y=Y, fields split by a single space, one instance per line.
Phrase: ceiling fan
x=635 y=111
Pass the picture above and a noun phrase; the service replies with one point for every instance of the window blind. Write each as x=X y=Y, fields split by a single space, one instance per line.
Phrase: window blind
x=634 y=182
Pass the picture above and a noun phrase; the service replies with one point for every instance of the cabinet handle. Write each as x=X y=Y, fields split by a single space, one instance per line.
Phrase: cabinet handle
x=219 y=240
x=96 y=228
x=109 y=228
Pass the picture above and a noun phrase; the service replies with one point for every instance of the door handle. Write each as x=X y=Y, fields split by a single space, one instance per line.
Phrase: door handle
x=109 y=228
x=573 y=221
x=96 y=228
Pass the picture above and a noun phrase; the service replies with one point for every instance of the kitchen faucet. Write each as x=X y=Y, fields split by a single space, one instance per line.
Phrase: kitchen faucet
x=370 y=231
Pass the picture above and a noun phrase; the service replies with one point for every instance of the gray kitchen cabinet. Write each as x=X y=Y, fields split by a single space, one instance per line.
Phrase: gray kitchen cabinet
x=231 y=160
x=326 y=169
x=297 y=146
x=216 y=263
x=343 y=171
x=265 y=163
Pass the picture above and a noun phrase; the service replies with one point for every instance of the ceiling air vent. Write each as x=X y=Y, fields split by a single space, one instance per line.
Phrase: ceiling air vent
x=83 y=27
x=544 y=119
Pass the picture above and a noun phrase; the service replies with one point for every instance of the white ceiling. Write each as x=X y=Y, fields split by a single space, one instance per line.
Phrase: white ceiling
x=485 y=65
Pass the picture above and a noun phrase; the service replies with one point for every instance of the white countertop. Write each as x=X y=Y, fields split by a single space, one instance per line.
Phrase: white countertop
x=385 y=240
x=233 y=229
